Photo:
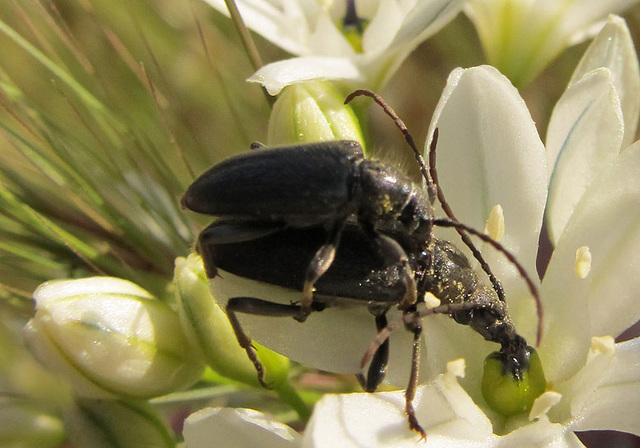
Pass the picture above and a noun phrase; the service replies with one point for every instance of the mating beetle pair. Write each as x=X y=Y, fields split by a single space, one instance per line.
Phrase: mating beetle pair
x=343 y=232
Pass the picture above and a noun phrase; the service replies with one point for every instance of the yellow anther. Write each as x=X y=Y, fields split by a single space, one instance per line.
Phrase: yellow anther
x=543 y=403
x=583 y=262
x=431 y=301
x=605 y=345
x=495 y=224
x=456 y=368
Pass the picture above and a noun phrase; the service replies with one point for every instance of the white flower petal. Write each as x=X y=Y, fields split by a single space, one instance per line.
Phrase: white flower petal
x=335 y=339
x=276 y=76
x=383 y=26
x=609 y=216
x=522 y=37
x=580 y=15
x=489 y=153
x=608 y=221
x=613 y=404
x=447 y=414
x=541 y=433
x=232 y=428
x=272 y=20
x=613 y=48
x=584 y=137
x=425 y=19
x=328 y=40
x=446 y=340
x=108 y=337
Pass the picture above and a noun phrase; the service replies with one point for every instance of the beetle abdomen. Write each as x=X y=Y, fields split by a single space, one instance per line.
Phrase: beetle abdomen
x=358 y=272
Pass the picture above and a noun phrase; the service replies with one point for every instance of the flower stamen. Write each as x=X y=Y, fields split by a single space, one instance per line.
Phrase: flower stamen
x=583 y=262
x=495 y=223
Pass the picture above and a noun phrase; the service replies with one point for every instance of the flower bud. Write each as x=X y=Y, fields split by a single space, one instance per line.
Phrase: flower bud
x=208 y=328
x=312 y=112
x=23 y=424
x=506 y=394
x=108 y=337
x=115 y=424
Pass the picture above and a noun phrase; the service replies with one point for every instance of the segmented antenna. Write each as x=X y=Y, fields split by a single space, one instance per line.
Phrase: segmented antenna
x=407 y=136
x=430 y=175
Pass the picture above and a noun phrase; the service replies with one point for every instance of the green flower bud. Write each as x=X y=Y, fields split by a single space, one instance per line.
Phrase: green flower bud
x=116 y=424
x=108 y=337
x=23 y=424
x=207 y=326
x=312 y=112
x=504 y=393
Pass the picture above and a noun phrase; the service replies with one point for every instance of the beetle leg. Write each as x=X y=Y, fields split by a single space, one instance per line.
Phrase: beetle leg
x=393 y=252
x=320 y=263
x=378 y=367
x=257 y=307
x=415 y=327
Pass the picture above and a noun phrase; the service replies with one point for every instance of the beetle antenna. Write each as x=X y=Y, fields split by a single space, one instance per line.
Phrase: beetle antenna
x=499 y=247
x=430 y=174
x=424 y=169
x=461 y=229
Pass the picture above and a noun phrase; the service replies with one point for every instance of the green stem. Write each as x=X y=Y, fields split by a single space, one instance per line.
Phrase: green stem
x=247 y=42
x=290 y=396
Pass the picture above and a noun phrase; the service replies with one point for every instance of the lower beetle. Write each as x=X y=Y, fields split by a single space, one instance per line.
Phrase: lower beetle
x=317 y=227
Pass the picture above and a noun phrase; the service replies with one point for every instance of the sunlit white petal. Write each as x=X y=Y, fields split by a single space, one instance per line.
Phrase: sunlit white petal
x=276 y=76
x=613 y=48
x=608 y=221
x=272 y=20
x=361 y=420
x=578 y=16
x=312 y=30
x=233 y=428
x=522 y=37
x=425 y=19
x=320 y=341
x=584 y=137
x=489 y=153
x=611 y=401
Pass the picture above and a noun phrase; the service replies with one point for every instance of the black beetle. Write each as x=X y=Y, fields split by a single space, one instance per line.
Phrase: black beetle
x=347 y=232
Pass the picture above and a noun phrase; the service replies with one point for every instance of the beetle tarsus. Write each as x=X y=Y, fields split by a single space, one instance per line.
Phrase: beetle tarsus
x=414 y=325
x=414 y=425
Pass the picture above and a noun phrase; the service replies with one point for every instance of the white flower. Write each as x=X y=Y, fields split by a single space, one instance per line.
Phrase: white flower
x=489 y=153
x=110 y=338
x=520 y=37
x=312 y=30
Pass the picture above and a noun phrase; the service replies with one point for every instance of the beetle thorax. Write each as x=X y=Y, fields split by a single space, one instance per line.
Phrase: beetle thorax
x=389 y=196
